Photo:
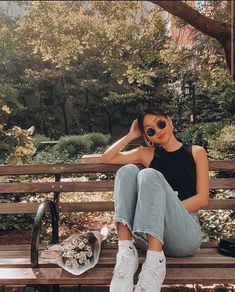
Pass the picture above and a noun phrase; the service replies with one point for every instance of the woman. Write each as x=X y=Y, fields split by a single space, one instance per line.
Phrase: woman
x=156 y=205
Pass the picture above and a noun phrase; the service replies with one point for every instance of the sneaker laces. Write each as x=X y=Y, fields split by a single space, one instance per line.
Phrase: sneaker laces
x=149 y=273
x=122 y=266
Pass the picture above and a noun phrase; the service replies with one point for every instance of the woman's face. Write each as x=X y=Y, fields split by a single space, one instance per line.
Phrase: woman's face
x=157 y=129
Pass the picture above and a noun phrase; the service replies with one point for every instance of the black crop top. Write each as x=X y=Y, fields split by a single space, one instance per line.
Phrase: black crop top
x=178 y=168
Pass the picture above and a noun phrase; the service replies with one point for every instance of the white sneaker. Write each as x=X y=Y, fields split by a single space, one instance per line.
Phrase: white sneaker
x=151 y=277
x=123 y=274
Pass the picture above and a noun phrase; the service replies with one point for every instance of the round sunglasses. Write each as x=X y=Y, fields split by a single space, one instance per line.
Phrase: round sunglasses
x=160 y=124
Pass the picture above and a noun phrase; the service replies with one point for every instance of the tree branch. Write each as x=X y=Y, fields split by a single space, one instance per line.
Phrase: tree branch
x=201 y=22
x=213 y=28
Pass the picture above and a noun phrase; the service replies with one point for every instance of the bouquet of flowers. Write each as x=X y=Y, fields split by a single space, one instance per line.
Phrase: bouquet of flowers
x=79 y=252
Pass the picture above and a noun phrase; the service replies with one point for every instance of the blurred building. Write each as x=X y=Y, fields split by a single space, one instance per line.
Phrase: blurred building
x=184 y=36
x=11 y=8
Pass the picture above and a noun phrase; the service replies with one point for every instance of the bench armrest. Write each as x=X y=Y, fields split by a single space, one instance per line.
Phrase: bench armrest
x=37 y=228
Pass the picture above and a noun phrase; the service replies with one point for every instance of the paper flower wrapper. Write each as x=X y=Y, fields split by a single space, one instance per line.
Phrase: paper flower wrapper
x=78 y=253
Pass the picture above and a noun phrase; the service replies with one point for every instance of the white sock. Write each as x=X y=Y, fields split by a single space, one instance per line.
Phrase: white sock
x=155 y=257
x=125 y=246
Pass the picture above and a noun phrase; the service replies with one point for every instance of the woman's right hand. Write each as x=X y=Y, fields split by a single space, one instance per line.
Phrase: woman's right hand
x=115 y=155
x=134 y=131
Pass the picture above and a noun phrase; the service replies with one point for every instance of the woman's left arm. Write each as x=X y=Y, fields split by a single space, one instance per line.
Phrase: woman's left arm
x=201 y=199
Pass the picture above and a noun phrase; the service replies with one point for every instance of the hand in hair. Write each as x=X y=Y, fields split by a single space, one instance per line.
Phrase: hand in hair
x=134 y=131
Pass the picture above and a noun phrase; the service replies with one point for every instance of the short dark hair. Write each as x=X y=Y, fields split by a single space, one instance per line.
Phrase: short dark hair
x=153 y=110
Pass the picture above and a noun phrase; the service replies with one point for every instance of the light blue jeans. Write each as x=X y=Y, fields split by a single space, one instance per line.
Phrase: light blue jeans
x=147 y=204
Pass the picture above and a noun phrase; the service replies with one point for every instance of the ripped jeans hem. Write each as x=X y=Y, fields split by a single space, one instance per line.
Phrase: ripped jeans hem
x=136 y=231
x=124 y=222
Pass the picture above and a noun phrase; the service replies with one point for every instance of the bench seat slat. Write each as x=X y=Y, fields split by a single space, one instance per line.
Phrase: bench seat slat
x=102 y=276
x=216 y=260
x=105 y=251
x=207 y=247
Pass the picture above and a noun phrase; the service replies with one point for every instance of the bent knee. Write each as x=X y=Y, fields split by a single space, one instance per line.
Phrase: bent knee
x=127 y=170
x=149 y=174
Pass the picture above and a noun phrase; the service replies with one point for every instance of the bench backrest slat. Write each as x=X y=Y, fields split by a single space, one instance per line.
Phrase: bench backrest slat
x=221 y=165
x=222 y=183
x=87 y=186
x=91 y=186
x=67 y=207
x=109 y=206
x=58 y=169
x=47 y=187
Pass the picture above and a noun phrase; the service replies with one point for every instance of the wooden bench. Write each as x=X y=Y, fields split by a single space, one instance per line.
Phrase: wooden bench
x=19 y=263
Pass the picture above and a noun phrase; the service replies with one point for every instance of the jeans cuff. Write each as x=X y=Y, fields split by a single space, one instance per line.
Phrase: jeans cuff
x=146 y=231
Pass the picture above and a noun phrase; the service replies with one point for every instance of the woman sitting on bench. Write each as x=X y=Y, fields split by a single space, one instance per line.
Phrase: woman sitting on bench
x=156 y=205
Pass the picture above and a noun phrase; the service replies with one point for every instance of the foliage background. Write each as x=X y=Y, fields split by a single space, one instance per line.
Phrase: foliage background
x=73 y=69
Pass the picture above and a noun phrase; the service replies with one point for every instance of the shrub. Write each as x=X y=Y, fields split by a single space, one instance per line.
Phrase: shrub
x=98 y=140
x=16 y=145
x=21 y=221
x=222 y=146
x=37 y=139
x=74 y=145
x=10 y=222
x=200 y=133
x=51 y=155
x=216 y=224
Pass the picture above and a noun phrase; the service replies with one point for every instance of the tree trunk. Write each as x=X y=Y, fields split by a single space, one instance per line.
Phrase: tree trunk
x=43 y=128
x=66 y=130
x=110 y=126
x=218 y=30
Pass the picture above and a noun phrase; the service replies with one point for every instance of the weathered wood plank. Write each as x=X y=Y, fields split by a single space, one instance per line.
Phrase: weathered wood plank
x=19 y=208
x=58 y=168
x=105 y=252
x=207 y=266
x=92 y=206
x=222 y=165
x=206 y=247
x=222 y=183
x=87 y=186
x=227 y=204
x=12 y=247
x=102 y=276
x=47 y=187
x=109 y=259
x=217 y=165
x=109 y=206
x=86 y=206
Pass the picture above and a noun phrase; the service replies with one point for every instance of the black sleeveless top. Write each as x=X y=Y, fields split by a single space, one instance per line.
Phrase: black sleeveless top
x=178 y=168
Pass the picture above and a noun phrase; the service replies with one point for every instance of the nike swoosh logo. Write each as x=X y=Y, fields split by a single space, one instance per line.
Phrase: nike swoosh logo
x=160 y=261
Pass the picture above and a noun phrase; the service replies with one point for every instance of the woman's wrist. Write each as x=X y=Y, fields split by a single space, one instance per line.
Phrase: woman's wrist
x=129 y=137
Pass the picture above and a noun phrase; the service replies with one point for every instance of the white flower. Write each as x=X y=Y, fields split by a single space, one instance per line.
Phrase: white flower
x=68 y=263
x=75 y=265
x=74 y=242
x=81 y=245
x=89 y=254
x=77 y=251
